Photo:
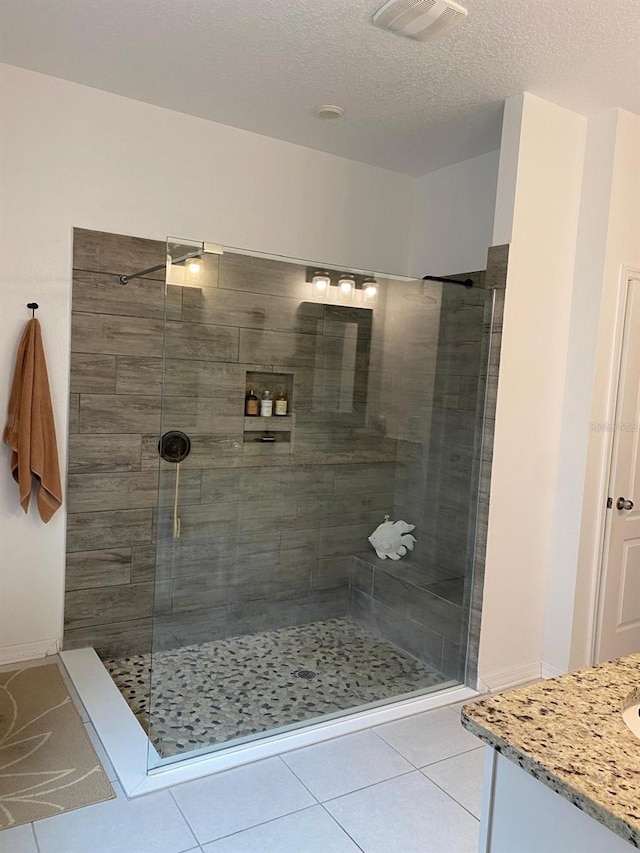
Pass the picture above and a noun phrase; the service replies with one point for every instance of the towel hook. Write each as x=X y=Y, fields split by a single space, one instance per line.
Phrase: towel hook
x=33 y=306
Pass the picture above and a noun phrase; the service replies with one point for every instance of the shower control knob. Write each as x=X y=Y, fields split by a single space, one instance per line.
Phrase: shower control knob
x=623 y=503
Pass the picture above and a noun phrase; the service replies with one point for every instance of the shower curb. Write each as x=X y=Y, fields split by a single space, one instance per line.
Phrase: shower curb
x=128 y=747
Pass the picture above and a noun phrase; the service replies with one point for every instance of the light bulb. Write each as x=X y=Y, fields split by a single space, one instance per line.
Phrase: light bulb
x=370 y=289
x=193 y=269
x=346 y=283
x=321 y=281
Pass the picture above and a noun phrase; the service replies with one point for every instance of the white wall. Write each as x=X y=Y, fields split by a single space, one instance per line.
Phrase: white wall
x=569 y=202
x=537 y=208
x=75 y=156
x=586 y=302
x=453 y=220
x=619 y=239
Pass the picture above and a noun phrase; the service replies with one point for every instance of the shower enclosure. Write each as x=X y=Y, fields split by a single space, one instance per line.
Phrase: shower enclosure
x=218 y=561
x=271 y=608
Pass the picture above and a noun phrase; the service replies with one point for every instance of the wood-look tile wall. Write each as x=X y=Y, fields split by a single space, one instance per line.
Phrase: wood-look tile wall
x=115 y=389
x=266 y=530
x=496 y=282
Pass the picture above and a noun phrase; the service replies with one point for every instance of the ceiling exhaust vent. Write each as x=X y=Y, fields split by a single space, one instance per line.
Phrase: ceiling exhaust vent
x=421 y=20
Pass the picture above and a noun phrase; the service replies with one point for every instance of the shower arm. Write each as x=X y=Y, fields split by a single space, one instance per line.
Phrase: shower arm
x=125 y=279
x=467 y=282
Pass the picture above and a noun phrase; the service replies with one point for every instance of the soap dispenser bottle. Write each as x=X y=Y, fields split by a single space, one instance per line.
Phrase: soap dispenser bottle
x=251 y=404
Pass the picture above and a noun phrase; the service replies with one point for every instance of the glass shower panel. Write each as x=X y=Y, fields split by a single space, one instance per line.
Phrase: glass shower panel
x=272 y=609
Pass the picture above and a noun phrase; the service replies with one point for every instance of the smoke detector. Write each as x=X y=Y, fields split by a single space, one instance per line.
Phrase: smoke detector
x=421 y=20
x=329 y=111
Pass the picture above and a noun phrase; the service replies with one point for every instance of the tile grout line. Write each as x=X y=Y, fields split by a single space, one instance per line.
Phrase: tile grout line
x=293 y=772
x=372 y=785
x=253 y=826
x=35 y=837
x=346 y=793
x=184 y=818
x=321 y=804
x=449 y=757
x=451 y=797
x=338 y=824
x=395 y=749
x=260 y=823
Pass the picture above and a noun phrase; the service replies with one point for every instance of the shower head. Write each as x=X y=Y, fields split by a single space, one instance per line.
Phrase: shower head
x=206 y=249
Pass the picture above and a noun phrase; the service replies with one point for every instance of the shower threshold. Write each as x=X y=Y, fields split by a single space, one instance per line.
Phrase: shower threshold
x=141 y=768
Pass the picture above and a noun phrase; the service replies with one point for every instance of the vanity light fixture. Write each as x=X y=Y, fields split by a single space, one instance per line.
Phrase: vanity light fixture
x=321 y=282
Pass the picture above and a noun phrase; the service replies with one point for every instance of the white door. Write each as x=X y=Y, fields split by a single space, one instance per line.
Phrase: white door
x=619 y=606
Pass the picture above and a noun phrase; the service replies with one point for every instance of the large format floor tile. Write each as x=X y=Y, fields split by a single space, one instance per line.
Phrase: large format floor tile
x=20 y=839
x=311 y=831
x=374 y=801
x=461 y=777
x=237 y=799
x=406 y=815
x=428 y=737
x=345 y=764
x=150 y=824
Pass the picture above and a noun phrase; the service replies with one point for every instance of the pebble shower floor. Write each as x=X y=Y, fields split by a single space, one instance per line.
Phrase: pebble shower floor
x=215 y=692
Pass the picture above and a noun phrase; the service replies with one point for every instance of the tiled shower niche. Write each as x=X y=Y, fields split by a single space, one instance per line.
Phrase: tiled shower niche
x=275 y=427
x=268 y=531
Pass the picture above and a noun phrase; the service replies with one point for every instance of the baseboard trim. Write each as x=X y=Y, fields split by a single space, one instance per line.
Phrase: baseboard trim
x=28 y=651
x=550 y=671
x=505 y=679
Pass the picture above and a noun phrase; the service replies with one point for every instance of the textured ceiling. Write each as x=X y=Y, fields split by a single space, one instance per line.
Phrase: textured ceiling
x=263 y=65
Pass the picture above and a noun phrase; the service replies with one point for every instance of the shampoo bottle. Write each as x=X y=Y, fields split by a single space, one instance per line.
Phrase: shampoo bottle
x=266 y=405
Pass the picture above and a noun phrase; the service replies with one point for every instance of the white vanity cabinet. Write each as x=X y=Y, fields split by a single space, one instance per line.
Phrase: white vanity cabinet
x=522 y=815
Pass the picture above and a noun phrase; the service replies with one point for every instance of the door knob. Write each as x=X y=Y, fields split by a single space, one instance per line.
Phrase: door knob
x=623 y=503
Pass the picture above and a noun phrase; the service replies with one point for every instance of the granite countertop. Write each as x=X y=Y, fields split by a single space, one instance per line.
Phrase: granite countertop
x=568 y=732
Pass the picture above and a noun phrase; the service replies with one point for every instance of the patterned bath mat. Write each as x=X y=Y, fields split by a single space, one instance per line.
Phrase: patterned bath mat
x=47 y=762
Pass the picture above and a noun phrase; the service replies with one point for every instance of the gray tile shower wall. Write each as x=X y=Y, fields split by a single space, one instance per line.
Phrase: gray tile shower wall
x=496 y=281
x=412 y=607
x=115 y=368
x=455 y=429
x=266 y=530
x=439 y=413
x=437 y=372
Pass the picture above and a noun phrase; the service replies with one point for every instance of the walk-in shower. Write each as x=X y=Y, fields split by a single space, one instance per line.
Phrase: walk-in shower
x=218 y=559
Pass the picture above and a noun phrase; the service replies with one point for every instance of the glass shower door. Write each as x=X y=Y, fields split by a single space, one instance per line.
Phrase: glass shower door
x=272 y=608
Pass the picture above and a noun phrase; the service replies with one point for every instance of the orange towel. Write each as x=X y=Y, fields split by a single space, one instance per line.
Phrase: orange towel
x=30 y=431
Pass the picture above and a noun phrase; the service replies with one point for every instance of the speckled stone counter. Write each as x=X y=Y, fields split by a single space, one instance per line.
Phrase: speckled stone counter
x=568 y=732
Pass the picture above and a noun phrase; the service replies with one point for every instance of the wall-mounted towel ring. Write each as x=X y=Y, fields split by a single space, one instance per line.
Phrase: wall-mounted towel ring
x=32 y=306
